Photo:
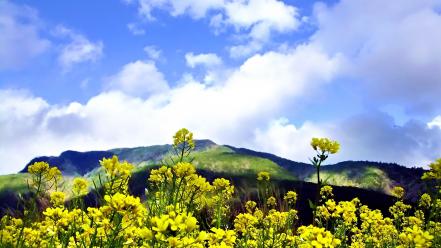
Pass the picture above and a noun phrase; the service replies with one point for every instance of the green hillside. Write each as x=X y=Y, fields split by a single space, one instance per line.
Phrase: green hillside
x=366 y=177
x=13 y=182
x=233 y=162
x=221 y=159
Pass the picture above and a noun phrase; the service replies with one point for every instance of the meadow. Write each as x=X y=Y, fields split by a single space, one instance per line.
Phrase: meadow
x=182 y=208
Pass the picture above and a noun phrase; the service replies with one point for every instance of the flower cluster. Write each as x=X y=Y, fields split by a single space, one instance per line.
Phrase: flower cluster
x=43 y=177
x=80 y=186
x=325 y=145
x=184 y=209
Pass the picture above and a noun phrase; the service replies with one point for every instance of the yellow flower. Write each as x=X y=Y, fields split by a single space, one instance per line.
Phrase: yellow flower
x=125 y=204
x=221 y=238
x=263 y=176
x=183 y=136
x=434 y=172
x=311 y=236
x=115 y=168
x=80 y=186
x=223 y=185
x=398 y=192
x=326 y=192
x=325 y=145
x=38 y=168
x=415 y=237
x=291 y=197
x=425 y=201
x=161 y=175
x=57 y=198
x=245 y=222
x=250 y=206
x=184 y=169
x=271 y=202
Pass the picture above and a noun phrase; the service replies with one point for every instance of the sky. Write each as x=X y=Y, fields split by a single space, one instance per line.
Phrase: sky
x=262 y=74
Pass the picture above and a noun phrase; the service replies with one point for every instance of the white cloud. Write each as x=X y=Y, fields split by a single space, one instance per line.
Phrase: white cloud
x=203 y=59
x=135 y=29
x=241 y=51
x=254 y=20
x=196 y=8
x=261 y=17
x=436 y=122
x=20 y=38
x=370 y=136
x=117 y=119
x=78 y=50
x=393 y=48
x=286 y=140
x=153 y=52
x=139 y=78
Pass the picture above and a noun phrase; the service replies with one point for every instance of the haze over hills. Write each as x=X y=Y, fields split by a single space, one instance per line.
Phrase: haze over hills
x=233 y=162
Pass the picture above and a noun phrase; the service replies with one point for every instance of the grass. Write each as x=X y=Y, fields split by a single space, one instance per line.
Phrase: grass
x=223 y=160
x=361 y=177
x=14 y=182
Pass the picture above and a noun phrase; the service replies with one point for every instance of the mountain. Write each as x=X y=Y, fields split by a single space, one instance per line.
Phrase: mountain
x=241 y=162
x=376 y=176
x=81 y=163
x=73 y=162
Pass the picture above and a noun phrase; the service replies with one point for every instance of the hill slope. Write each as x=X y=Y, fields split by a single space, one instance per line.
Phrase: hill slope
x=235 y=162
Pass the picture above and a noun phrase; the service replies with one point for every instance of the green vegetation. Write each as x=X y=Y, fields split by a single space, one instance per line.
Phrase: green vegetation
x=13 y=182
x=184 y=209
x=362 y=177
x=221 y=159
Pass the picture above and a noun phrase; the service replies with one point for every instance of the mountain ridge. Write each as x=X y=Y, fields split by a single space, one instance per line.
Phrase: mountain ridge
x=240 y=161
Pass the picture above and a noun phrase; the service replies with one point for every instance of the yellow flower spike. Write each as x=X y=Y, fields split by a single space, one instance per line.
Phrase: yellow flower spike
x=115 y=168
x=325 y=145
x=326 y=192
x=434 y=172
x=311 y=236
x=263 y=176
x=183 y=136
x=57 y=198
x=244 y=223
x=38 y=168
x=160 y=224
x=290 y=197
x=271 y=202
x=80 y=186
x=250 y=206
x=398 y=192
x=184 y=169
x=425 y=201
x=415 y=237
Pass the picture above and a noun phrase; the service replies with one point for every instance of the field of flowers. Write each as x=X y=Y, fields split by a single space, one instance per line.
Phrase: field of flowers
x=183 y=209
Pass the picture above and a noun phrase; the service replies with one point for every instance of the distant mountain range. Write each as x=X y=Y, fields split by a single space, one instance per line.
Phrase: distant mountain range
x=241 y=162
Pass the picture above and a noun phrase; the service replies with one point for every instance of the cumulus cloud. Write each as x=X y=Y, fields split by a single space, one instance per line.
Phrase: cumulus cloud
x=135 y=28
x=393 y=48
x=372 y=136
x=20 y=38
x=435 y=123
x=261 y=17
x=203 y=59
x=253 y=20
x=153 y=52
x=117 y=118
x=382 y=47
x=284 y=139
x=78 y=50
x=139 y=78
x=195 y=8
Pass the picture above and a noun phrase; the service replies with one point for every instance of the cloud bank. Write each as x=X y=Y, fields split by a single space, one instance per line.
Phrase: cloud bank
x=384 y=51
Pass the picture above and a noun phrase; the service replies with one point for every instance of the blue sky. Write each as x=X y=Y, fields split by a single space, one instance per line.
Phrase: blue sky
x=263 y=74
